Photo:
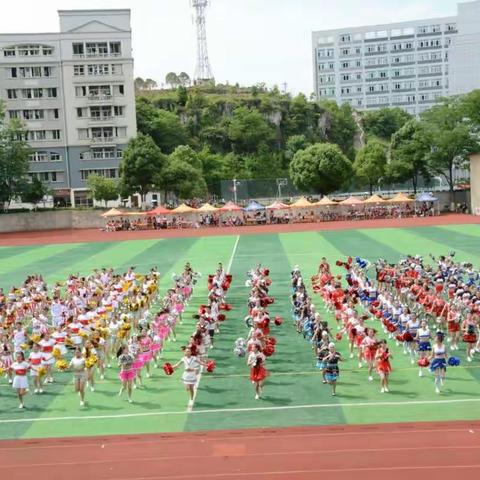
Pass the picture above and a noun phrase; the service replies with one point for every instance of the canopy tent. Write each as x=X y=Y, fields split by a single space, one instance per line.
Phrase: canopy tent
x=135 y=214
x=301 y=203
x=230 y=207
x=400 y=198
x=278 y=206
x=374 y=199
x=113 y=212
x=160 y=210
x=351 y=201
x=426 y=197
x=207 y=208
x=325 y=202
x=254 y=206
x=183 y=208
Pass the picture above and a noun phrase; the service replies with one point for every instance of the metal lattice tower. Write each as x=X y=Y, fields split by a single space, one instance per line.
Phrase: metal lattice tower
x=203 y=71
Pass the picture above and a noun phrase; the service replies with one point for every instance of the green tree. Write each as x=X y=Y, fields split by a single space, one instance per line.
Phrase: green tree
x=383 y=123
x=182 y=178
x=150 y=84
x=451 y=139
x=139 y=84
x=294 y=144
x=142 y=161
x=248 y=130
x=34 y=192
x=320 y=168
x=14 y=164
x=340 y=126
x=102 y=189
x=182 y=95
x=370 y=164
x=184 y=79
x=172 y=79
x=186 y=154
x=409 y=151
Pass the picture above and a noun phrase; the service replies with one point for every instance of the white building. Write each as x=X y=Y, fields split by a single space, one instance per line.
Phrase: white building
x=74 y=91
x=408 y=65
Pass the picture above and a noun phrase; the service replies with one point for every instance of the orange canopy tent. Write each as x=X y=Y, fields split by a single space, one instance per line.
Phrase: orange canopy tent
x=135 y=214
x=277 y=205
x=325 y=202
x=207 y=208
x=113 y=212
x=301 y=203
x=375 y=199
x=351 y=201
x=183 y=208
x=160 y=210
x=230 y=207
x=400 y=198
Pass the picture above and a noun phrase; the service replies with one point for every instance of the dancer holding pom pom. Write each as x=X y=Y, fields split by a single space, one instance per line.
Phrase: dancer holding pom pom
x=258 y=373
x=331 y=367
x=127 y=371
x=438 y=361
x=191 y=366
x=383 y=365
x=77 y=366
x=20 y=380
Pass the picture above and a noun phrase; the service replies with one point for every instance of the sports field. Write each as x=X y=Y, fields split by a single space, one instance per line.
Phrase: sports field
x=294 y=394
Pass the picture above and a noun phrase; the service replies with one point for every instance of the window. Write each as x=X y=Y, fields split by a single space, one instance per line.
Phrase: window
x=115 y=48
x=56 y=134
x=11 y=94
x=345 y=51
x=81 y=91
x=78 y=48
x=55 y=157
x=43 y=156
x=51 y=92
x=12 y=72
x=107 y=173
x=119 y=111
x=99 y=69
x=345 y=38
x=78 y=70
x=96 y=49
x=10 y=52
x=117 y=69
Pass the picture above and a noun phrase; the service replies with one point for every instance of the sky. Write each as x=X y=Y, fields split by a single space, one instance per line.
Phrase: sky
x=249 y=41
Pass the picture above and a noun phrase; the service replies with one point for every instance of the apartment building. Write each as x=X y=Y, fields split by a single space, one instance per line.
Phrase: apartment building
x=74 y=91
x=407 y=65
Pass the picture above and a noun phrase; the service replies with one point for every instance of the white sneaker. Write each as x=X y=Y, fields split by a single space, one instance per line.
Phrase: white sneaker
x=351 y=355
x=412 y=361
x=256 y=397
x=102 y=377
x=10 y=381
x=452 y=347
x=92 y=389
x=469 y=359
x=437 y=390
x=190 y=403
x=360 y=364
x=135 y=385
x=35 y=391
x=147 y=375
x=370 y=379
x=40 y=391
x=386 y=390
x=130 y=400
x=420 y=373
x=20 y=406
x=109 y=366
x=82 y=403
x=382 y=390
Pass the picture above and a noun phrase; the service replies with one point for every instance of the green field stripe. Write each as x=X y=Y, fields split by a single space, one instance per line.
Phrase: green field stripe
x=468 y=244
x=11 y=263
x=465 y=229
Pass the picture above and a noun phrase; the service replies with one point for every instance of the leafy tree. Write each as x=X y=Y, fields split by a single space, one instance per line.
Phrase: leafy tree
x=340 y=127
x=139 y=83
x=184 y=79
x=186 y=154
x=470 y=105
x=34 y=191
x=248 y=130
x=264 y=164
x=450 y=137
x=102 y=189
x=294 y=144
x=409 y=150
x=370 y=163
x=172 y=79
x=150 y=84
x=182 y=95
x=142 y=161
x=182 y=178
x=321 y=168
x=14 y=164
x=383 y=123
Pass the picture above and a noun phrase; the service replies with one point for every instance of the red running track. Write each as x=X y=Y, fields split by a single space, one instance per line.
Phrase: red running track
x=389 y=451
x=96 y=235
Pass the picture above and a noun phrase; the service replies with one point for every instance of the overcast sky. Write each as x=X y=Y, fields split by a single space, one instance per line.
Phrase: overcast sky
x=249 y=41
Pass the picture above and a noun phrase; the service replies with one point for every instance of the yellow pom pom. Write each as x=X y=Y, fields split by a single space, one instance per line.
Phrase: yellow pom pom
x=68 y=341
x=42 y=371
x=2 y=371
x=35 y=338
x=57 y=354
x=61 y=365
x=126 y=326
x=23 y=346
x=83 y=334
x=91 y=361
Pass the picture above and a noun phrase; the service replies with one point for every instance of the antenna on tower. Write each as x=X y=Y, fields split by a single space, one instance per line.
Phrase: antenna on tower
x=203 y=71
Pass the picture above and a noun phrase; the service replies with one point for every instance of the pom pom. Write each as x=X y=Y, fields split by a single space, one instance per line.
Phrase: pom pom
x=278 y=320
x=338 y=336
x=338 y=263
x=91 y=361
x=168 y=369
x=271 y=341
x=269 y=350
x=225 y=306
x=61 y=365
x=221 y=317
x=210 y=366
x=57 y=354
x=35 y=338
x=2 y=371
x=42 y=371
x=391 y=327
x=23 y=346
x=423 y=362
x=454 y=361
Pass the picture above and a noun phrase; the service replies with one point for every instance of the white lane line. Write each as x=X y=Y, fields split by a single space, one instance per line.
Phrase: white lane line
x=241 y=410
x=192 y=402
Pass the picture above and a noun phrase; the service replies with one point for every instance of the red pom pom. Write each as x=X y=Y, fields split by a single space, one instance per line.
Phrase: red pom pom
x=221 y=317
x=225 y=306
x=210 y=366
x=423 y=362
x=338 y=263
x=167 y=367
x=338 y=336
x=278 y=320
x=269 y=350
x=268 y=282
x=272 y=341
x=266 y=272
x=399 y=338
x=407 y=337
x=378 y=314
x=349 y=260
x=391 y=327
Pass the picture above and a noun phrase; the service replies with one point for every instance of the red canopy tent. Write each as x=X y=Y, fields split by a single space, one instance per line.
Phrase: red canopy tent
x=160 y=210
x=230 y=207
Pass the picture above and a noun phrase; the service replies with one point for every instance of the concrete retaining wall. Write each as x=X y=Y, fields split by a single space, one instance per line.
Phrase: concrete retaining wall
x=51 y=220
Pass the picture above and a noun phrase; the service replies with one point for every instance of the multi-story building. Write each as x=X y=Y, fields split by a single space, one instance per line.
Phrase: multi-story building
x=408 y=65
x=74 y=91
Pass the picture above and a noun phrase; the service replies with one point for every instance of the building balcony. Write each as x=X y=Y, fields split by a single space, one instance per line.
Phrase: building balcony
x=99 y=98
x=102 y=140
x=103 y=118
x=83 y=56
